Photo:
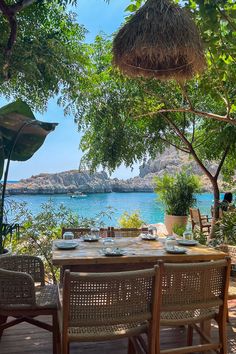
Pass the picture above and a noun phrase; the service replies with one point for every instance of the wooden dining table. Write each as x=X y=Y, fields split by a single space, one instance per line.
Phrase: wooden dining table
x=137 y=254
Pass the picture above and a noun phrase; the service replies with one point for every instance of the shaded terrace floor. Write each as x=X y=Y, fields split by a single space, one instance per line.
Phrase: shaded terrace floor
x=25 y=339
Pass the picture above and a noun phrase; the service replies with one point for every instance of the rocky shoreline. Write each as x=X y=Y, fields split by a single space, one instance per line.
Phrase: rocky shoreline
x=74 y=181
x=171 y=161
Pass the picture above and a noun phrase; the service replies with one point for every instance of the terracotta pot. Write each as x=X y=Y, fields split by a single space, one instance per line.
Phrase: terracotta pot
x=171 y=220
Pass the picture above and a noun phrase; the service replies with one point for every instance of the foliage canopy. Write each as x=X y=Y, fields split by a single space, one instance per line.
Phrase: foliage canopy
x=47 y=54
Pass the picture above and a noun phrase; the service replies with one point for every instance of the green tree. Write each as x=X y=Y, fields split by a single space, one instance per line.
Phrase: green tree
x=40 y=50
x=127 y=120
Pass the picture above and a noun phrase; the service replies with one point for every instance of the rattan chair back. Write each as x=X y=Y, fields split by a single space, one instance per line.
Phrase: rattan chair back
x=25 y=264
x=16 y=288
x=194 y=285
x=98 y=299
x=127 y=232
x=80 y=232
x=21 y=299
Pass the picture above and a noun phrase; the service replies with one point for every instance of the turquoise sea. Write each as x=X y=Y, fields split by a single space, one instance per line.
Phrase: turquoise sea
x=90 y=206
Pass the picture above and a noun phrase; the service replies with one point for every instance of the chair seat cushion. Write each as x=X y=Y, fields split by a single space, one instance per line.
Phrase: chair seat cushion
x=47 y=296
x=177 y=318
x=97 y=333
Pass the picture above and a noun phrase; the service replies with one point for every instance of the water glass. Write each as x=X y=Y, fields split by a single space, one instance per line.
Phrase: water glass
x=108 y=241
x=151 y=229
x=170 y=242
x=68 y=235
x=95 y=232
x=187 y=235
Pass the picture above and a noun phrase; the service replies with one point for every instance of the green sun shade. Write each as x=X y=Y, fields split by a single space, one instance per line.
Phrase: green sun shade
x=17 y=119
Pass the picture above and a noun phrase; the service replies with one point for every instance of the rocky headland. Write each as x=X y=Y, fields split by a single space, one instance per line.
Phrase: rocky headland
x=171 y=161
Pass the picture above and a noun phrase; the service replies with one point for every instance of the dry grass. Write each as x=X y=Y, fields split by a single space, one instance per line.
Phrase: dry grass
x=161 y=41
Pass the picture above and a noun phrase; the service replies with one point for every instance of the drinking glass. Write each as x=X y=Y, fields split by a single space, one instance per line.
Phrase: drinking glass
x=150 y=230
x=68 y=235
x=170 y=242
x=187 y=235
x=95 y=232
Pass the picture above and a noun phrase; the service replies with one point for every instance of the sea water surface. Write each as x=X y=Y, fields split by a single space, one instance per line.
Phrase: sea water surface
x=92 y=205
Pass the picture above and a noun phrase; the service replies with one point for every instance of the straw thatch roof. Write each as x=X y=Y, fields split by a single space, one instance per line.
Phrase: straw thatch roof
x=160 y=40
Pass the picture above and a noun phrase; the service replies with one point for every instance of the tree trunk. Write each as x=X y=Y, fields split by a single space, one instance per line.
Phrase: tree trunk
x=215 y=214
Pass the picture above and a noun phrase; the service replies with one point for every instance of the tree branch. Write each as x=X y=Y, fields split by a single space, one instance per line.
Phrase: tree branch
x=222 y=161
x=185 y=95
x=20 y=5
x=189 y=146
x=175 y=146
x=194 y=111
x=227 y=18
x=9 y=12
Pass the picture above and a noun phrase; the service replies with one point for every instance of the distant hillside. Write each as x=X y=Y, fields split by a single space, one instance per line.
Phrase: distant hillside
x=171 y=161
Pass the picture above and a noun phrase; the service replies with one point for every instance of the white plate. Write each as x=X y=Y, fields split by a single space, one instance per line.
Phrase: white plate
x=113 y=252
x=148 y=237
x=90 y=238
x=176 y=250
x=187 y=242
x=69 y=245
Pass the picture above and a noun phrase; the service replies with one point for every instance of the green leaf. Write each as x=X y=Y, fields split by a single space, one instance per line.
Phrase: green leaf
x=131 y=8
x=20 y=131
x=18 y=107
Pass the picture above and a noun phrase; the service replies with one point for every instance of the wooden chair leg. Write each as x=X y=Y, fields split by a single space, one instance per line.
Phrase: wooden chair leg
x=65 y=347
x=3 y=319
x=55 y=333
x=131 y=349
x=190 y=336
x=223 y=336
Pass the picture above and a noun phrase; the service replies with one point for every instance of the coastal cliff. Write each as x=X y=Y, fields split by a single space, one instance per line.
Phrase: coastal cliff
x=171 y=161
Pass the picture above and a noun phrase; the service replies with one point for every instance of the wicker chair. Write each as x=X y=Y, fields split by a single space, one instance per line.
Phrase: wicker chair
x=127 y=232
x=191 y=294
x=22 y=299
x=201 y=222
x=108 y=306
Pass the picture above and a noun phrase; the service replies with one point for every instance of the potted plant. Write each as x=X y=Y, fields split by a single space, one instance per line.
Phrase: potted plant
x=177 y=194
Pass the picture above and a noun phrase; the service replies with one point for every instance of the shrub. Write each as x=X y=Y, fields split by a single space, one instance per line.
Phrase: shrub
x=38 y=231
x=225 y=229
x=179 y=229
x=131 y=219
x=200 y=237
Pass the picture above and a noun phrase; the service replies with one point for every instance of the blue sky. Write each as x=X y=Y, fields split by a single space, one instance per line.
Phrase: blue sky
x=60 y=151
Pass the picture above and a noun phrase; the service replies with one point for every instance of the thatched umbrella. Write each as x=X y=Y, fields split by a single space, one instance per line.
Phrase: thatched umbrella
x=160 y=40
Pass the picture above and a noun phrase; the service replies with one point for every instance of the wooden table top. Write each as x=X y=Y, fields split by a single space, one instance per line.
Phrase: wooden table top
x=136 y=251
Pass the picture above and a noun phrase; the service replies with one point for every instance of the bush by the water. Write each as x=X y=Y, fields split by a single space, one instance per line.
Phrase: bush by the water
x=131 y=219
x=38 y=231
